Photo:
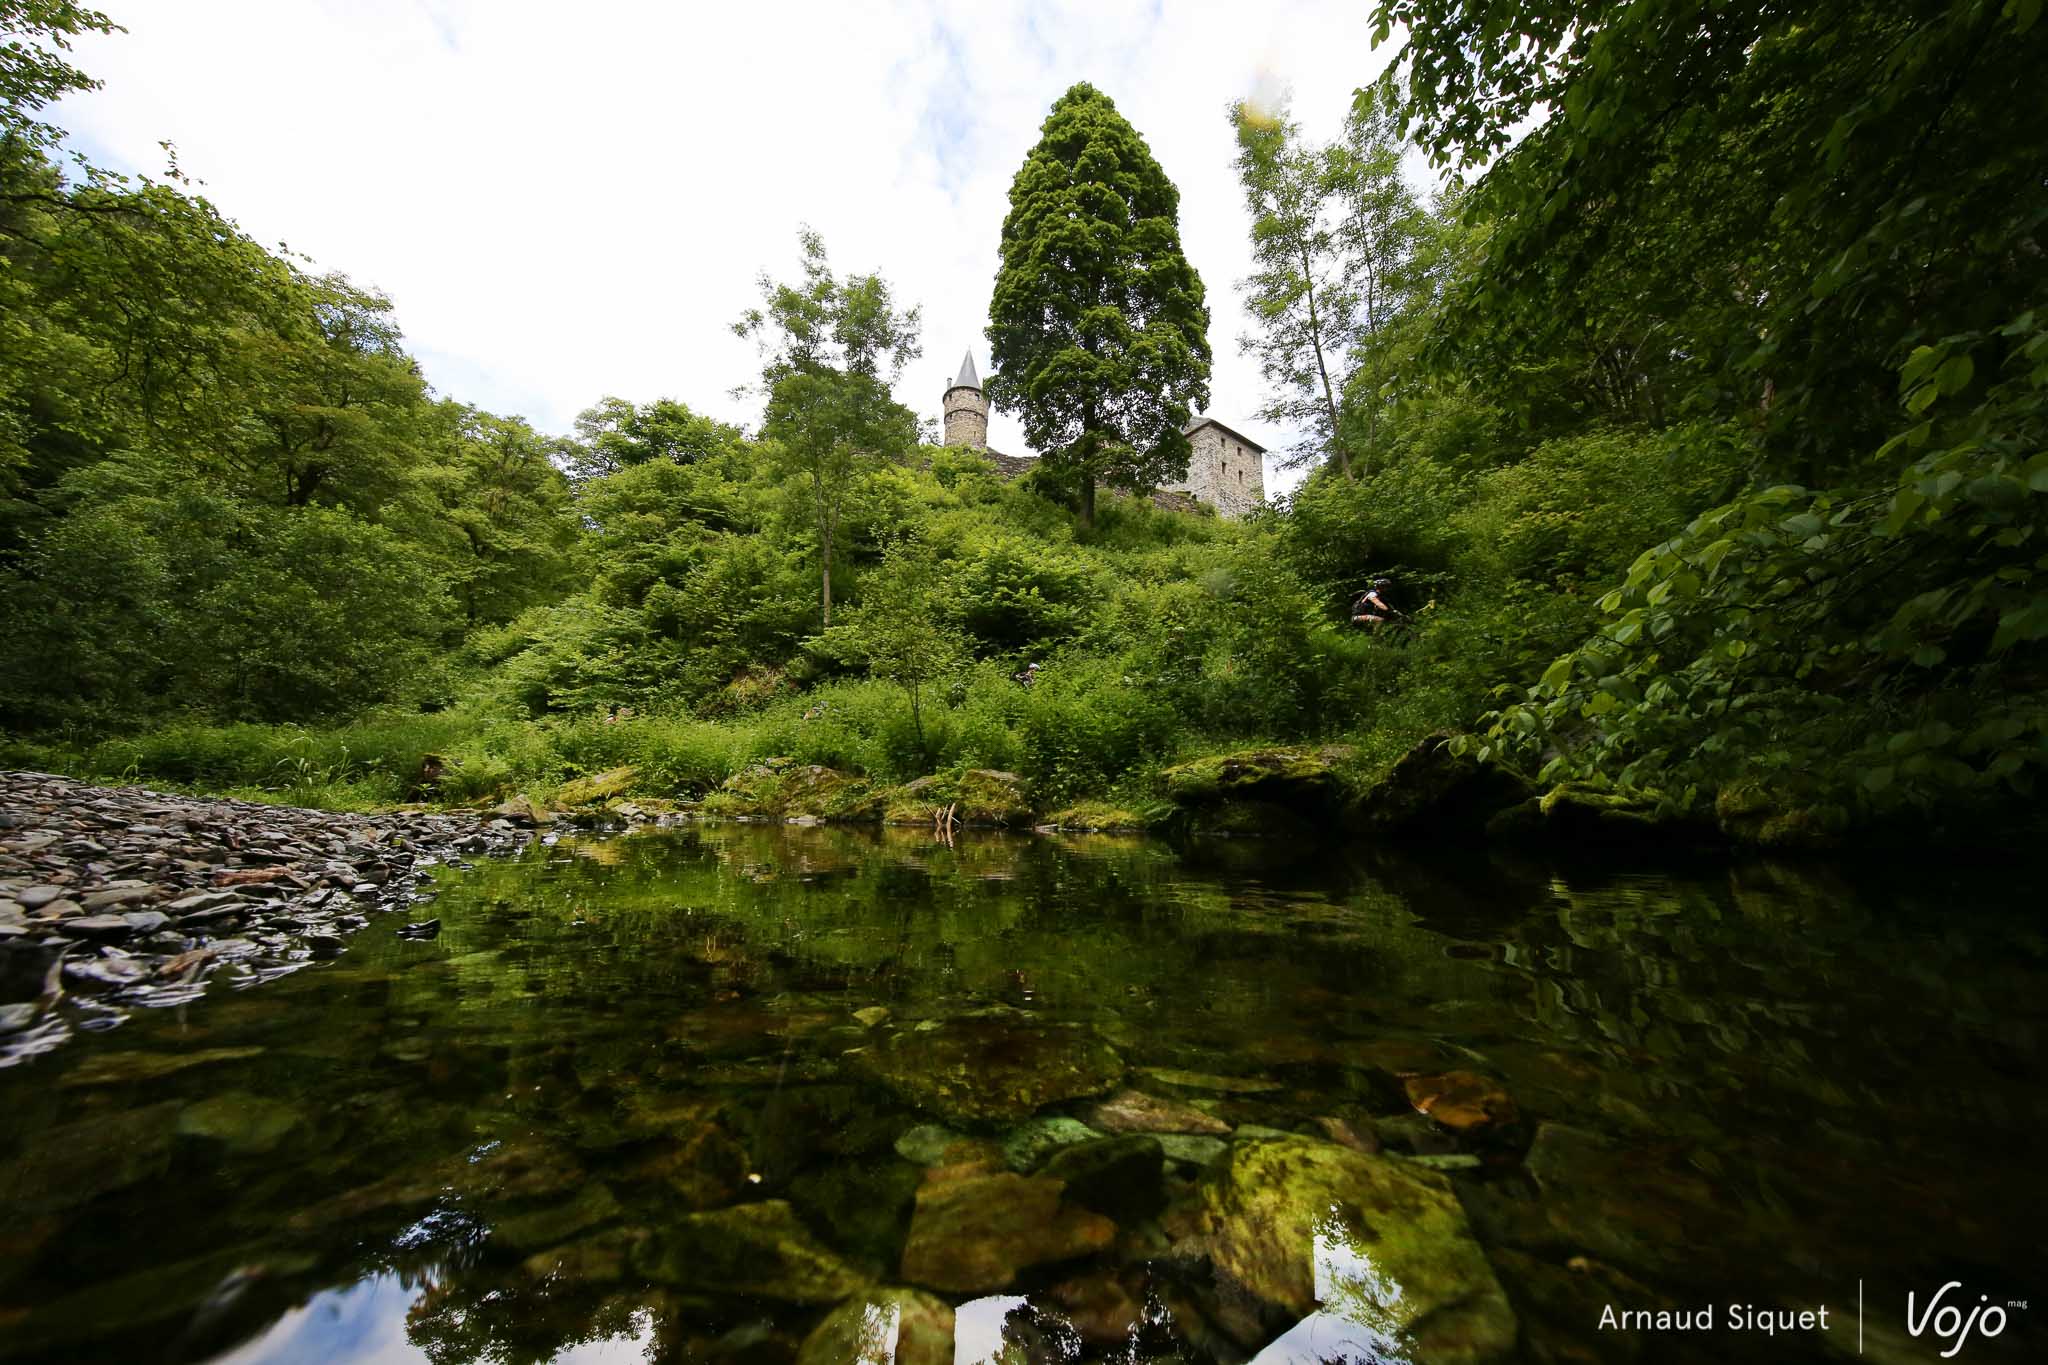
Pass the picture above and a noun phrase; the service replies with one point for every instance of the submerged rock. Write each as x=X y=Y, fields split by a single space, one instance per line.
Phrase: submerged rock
x=883 y=1327
x=974 y=1235
x=1378 y=1251
x=245 y=1124
x=1030 y=1142
x=594 y=1204
x=763 y=1250
x=1134 y=1111
x=1463 y=1101
x=1123 y=1177
x=1292 y=777
x=976 y=1070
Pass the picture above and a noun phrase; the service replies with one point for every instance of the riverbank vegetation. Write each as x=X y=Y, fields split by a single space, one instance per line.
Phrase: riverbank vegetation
x=1702 y=428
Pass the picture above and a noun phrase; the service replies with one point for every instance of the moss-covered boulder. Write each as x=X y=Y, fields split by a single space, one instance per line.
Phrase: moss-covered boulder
x=588 y=791
x=1777 y=817
x=975 y=1235
x=244 y=1124
x=1367 y=1247
x=1575 y=815
x=783 y=790
x=1432 y=791
x=759 y=1250
x=980 y=1070
x=1301 y=779
x=984 y=797
x=1123 y=1177
x=905 y=1326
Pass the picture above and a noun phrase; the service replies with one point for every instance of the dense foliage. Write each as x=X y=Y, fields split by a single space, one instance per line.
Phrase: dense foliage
x=1700 y=424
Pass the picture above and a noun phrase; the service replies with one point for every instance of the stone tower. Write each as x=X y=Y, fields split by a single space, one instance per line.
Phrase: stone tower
x=966 y=409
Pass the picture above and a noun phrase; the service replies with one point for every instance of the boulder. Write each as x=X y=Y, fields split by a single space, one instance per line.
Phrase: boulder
x=783 y=790
x=1123 y=1177
x=1465 y=1102
x=759 y=1250
x=1133 y=1111
x=1575 y=814
x=1030 y=1142
x=1366 y=1248
x=245 y=1124
x=903 y=1326
x=1775 y=817
x=1303 y=780
x=586 y=791
x=978 y=1070
x=1434 y=792
x=974 y=1236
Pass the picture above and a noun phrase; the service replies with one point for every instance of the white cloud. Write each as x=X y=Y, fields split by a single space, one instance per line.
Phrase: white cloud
x=571 y=203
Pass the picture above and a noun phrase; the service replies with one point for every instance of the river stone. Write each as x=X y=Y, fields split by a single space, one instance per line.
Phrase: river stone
x=75 y=1162
x=926 y=1144
x=903 y=1326
x=1297 y=1225
x=979 y=1070
x=1133 y=1111
x=593 y=1204
x=65 y=909
x=863 y=1207
x=1196 y=1151
x=122 y=1068
x=1030 y=1142
x=36 y=897
x=1124 y=1177
x=117 y=896
x=973 y=1236
x=1197 y=1080
x=247 y=1125
x=762 y=1250
x=1463 y=1101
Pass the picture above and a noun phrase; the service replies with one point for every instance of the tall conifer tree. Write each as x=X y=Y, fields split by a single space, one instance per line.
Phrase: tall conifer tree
x=1098 y=329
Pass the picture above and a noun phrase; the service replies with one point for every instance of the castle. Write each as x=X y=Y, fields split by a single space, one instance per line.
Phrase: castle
x=1224 y=471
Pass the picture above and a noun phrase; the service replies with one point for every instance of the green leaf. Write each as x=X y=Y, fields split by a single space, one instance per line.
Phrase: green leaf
x=1559 y=675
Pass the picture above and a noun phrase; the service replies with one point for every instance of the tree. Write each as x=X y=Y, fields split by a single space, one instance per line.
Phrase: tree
x=901 y=630
x=829 y=348
x=616 y=434
x=1098 y=329
x=1337 y=236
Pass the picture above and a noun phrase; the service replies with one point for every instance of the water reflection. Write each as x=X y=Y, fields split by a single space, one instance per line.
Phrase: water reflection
x=719 y=1094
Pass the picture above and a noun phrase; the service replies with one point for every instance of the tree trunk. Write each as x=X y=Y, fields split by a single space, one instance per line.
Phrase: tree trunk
x=825 y=546
x=1315 y=337
x=1088 y=500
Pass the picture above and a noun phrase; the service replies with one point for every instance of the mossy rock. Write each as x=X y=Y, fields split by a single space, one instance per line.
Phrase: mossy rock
x=1301 y=780
x=783 y=790
x=1304 y=1229
x=980 y=1070
x=1100 y=817
x=1433 y=791
x=1250 y=819
x=1750 y=812
x=753 y=1250
x=586 y=791
x=1574 y=814
x=905 y=1326
x=979 y=796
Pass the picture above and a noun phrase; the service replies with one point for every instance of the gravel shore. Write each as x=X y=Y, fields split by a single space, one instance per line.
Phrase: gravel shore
x=119 y=897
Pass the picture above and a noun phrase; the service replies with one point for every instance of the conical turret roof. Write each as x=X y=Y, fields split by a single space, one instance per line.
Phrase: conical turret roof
x=968 y=379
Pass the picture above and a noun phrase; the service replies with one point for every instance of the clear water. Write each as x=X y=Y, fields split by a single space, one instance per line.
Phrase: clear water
x=1776 y=1086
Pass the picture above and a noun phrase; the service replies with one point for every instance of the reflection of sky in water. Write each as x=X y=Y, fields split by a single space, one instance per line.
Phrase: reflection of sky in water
x=1358 y=1320
x=365 y=1325
x=978 y=1327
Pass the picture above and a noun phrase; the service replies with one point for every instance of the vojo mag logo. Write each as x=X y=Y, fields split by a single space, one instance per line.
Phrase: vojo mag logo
x=1956 y=1321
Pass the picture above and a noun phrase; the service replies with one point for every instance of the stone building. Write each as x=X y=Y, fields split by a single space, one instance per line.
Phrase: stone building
x=1225 y=471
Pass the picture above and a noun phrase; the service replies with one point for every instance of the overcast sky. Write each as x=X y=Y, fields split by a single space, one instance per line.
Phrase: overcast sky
x=572 y=201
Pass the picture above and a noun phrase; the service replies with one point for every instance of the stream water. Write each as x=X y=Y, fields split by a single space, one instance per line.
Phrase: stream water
x=686 y=1094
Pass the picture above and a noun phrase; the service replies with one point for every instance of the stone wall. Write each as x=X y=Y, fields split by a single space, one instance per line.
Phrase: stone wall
x=966 y=418
x=1224 y=471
